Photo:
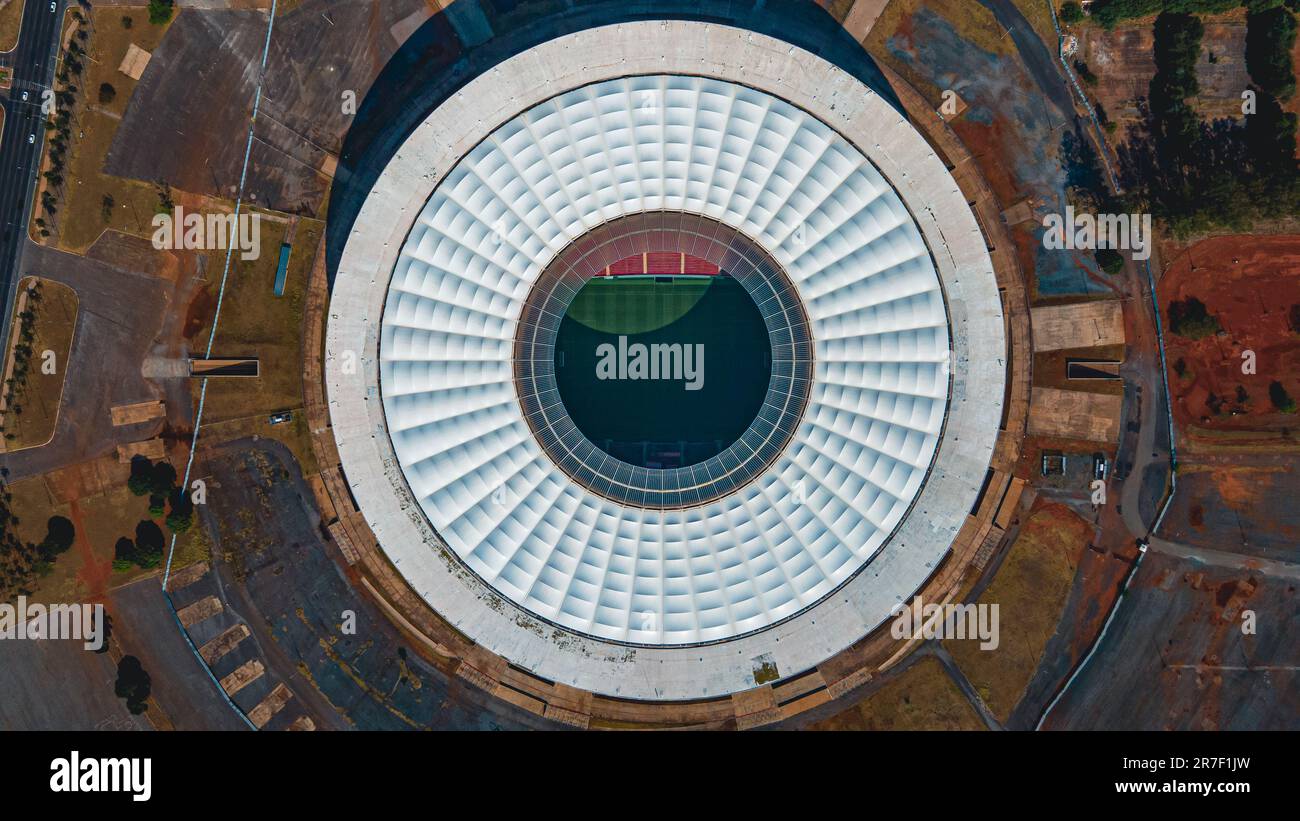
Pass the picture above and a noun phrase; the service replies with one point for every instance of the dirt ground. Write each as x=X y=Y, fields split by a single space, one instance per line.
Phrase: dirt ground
x=319 y=50
x=11 y=18
x=922 y=697
x=94 y=496
x=1123 y=61
x=1249 y=284
x=1030 y=589
x=255 y=322
x=83 y=214
x=1051 y=368
x=1244 y=504
x=1040 y=17
x=40 y=394
x=1017 y=133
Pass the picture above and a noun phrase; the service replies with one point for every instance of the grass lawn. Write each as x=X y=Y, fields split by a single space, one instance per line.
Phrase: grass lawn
x=39 y=394
x=923 y=697
x=108 y=517
x=1030 y=590
x=33 y=504
x=11 y=20
x=1038 y=15
x=975 y=25
x=255 y=322
x=82 y=215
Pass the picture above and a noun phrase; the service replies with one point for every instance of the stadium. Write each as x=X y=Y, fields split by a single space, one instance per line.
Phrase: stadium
x=665 y=359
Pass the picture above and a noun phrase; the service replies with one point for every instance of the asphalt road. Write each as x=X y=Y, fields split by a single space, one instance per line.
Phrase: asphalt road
x=33 y=63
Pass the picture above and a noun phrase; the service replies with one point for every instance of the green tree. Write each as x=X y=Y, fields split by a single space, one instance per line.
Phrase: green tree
x=160 y=11
x=133 y=684
x=124 y=555
x=1190 y=318
x=141 y=481
x=1270 y=36
x=1110 y=260
x=1282 y=400
x=59 y=536
x=162 y=479
x=181 y=516
x=149 y=545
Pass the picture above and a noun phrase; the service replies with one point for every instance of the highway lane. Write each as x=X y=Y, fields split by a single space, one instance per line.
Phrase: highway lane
x=33 y=64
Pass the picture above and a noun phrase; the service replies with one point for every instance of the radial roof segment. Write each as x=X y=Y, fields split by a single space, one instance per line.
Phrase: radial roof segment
x=885 y=260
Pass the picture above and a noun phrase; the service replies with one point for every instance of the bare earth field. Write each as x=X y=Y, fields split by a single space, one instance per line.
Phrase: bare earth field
x=1249 y=284
x=1244 y=503
x=1030 y=589
x=1015 y=130
x=922 y=697
x=319 y=51
x=255 y=322
x=1123 y=60
x=280 y=578
x=83 y=214
x=11 y=18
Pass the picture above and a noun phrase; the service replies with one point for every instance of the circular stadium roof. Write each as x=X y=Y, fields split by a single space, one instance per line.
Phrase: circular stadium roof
x=804 y=162
x=618 y=570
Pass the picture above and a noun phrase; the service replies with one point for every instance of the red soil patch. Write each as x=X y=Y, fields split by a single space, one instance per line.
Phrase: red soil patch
x=987 y=141
x=94 y=572
x=1249 y=284
x=199 y=312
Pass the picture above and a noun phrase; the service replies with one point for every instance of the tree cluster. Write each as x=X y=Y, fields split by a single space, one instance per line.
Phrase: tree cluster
x=1200 y=176
x=157 y=480
x=21 y=562
x=15 y=387
x=1109 y=13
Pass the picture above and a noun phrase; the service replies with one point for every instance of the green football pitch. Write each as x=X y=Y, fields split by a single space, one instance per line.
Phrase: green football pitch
x=636 y=305
x=658 y=422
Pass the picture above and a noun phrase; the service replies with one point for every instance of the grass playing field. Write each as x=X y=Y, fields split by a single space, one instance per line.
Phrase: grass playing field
x=654 y=419
x=635 y=305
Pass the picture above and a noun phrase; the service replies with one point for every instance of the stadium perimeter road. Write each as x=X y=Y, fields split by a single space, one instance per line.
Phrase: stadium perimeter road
x=33 y=64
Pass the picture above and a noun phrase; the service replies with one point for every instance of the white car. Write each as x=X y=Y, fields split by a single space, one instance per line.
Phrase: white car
x=24 y=96
x=31 y=139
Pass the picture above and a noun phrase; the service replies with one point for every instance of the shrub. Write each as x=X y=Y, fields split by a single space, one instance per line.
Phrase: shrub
x=160 y=11
x=1110 y=12
x=1270 y=35
x=133 y=684
x=1191 y=319
x=1280 y=398
x=1110 y=260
